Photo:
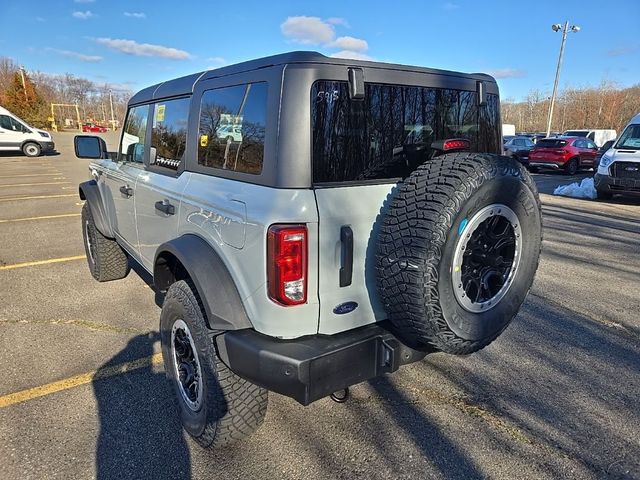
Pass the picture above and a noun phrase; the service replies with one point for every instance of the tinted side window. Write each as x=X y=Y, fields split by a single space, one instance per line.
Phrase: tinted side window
x=232 y=128
x=5 y=122
x=489 y=126
x=169 y=132
x=133 y=136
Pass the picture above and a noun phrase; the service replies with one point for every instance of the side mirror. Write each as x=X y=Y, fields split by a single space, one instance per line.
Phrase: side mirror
x=89 y=146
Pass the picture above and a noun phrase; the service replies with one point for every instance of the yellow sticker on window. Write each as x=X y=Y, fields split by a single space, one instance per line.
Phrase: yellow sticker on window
x=160 y=113
x=204 y=140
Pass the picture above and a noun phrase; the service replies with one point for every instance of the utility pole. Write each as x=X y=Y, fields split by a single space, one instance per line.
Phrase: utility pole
x=566 y=29
x=113 y=121
x=24 y=85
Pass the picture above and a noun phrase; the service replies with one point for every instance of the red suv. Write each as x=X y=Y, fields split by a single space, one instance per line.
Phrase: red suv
x=563 y=153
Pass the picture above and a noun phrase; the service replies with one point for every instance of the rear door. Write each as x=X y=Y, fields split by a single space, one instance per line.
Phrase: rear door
x=160 y=185
x=360 y=150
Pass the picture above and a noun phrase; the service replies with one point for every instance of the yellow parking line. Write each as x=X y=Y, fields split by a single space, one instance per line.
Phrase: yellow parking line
x=77 y=380
x=42 y=262
x=35 y=197
x=31 y=184
x=45 y=217
x=31 y=175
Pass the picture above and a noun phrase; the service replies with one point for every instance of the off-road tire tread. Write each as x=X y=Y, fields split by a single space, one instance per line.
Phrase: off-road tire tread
x=425 y=208
x=242 y=404
x=111 y=262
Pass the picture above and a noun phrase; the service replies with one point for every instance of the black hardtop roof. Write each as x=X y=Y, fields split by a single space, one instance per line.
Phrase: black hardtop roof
x=185 y=85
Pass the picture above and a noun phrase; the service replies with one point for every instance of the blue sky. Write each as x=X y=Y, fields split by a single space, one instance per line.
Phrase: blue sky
x=135 y=44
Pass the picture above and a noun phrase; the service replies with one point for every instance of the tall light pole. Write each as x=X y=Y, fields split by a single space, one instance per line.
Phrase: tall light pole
x=24 y=85
x=113 y=121
x=566 y=29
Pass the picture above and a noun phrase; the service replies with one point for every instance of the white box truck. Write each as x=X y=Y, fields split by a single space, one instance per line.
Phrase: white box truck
x=599 y=137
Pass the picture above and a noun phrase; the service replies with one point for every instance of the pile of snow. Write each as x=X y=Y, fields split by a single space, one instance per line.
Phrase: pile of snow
x=584 y=189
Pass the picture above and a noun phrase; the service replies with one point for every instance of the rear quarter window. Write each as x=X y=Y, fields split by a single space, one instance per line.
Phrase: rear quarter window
x=232 y=128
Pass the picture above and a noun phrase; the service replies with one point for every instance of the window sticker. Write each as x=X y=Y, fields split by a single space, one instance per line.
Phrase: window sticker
x=204 y=140
x=160 y=113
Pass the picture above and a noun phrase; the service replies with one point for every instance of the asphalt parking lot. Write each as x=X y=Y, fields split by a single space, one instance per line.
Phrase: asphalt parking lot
x=83 y=393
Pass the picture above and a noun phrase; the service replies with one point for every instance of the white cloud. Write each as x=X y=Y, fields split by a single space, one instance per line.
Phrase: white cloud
x=315 y=31
x=307 y=30
x=83 y=15
x=350 y=43
x=626 y=50
x=75 y=55
x=135 y=14
x=216 y=61
x=507 y=73
x=338 y=21
x=84 y=1
x=451 y=6
x=131 y=47
x=351 y=55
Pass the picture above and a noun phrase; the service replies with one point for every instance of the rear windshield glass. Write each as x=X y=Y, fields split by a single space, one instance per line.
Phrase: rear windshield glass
x=551 y=143
x=576 y=133
x=630 y=138
x=389 y=133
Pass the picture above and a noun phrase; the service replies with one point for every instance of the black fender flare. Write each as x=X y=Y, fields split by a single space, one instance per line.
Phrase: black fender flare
x=210 y=276
x=90 y=192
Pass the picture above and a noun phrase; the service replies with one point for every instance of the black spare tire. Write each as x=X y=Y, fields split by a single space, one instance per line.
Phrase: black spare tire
x=458 y=250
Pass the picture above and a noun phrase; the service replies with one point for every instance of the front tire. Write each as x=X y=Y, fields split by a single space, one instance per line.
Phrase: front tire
x=107 y=261
x=31 y=149
x=604 y=195
x=217 y=407
x=458 y=250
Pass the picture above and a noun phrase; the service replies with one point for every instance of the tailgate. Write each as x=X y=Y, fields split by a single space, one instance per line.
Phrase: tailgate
x=356 y=208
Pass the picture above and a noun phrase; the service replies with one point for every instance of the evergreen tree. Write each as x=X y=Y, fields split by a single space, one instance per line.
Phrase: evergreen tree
x=25 y=101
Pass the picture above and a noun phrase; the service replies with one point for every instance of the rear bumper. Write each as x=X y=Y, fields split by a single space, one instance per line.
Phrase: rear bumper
x=310 y=368
x=607 y=184
x=546 y=164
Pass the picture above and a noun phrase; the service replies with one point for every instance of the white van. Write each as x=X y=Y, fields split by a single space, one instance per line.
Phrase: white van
x=16 y=135
x=599 y=137
x=619 y=169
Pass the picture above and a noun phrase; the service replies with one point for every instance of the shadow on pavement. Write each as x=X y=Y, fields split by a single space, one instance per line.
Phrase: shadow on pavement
x=570 y=383
x=140 y=432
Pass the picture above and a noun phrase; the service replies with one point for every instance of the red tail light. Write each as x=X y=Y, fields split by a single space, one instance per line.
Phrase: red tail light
x=287 y=264
x=456 y=144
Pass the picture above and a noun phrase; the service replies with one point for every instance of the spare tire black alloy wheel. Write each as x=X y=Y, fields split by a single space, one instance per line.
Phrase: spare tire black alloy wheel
x=486 y=257
x=187 y=364
x=458 y=249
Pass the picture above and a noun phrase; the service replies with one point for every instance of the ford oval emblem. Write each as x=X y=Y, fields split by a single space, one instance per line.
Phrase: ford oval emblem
x=346 y=307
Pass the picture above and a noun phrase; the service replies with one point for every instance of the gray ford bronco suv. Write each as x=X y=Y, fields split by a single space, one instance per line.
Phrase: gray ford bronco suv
x=311 y=223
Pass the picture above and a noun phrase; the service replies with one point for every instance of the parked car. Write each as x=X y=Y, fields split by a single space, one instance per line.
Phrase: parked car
x=619 y=169
x=91 y=127
x=519 y=148
x=273 y=277
x=597 y=136
x=16 y=135
x=568 y=154
x=601 y=151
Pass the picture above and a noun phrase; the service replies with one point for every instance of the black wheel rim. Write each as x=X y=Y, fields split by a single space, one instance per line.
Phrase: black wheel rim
x=187 y=365
x=486 y=258
x=90 y=239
